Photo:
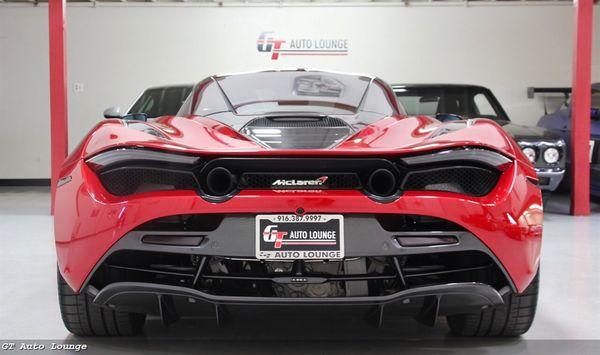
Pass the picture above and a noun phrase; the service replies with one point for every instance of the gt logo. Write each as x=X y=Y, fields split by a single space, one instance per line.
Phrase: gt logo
x=266 y=43
x=272 y=235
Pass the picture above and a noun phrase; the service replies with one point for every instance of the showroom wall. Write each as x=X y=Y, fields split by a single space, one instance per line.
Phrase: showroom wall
x=115 y=51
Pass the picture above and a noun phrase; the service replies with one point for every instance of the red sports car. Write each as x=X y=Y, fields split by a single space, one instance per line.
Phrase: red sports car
x=297 y=188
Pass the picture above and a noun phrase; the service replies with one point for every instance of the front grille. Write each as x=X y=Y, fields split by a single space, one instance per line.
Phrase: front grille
x=361 y=276
x=346 y=181
x=469 y=180
x=544 y=181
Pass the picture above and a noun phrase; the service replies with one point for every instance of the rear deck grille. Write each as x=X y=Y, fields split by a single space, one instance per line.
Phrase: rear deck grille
x=347 y=181
x=297 y=132
x=295 y=122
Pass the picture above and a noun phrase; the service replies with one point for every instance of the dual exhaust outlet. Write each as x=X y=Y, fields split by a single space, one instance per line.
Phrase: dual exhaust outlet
x=220 y=181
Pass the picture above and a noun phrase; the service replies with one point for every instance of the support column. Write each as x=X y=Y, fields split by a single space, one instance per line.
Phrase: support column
x=580 y=108
x=58 y=89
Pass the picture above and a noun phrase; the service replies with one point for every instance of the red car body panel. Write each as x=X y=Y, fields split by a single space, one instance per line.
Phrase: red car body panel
x=200 y=135
x=89 y=220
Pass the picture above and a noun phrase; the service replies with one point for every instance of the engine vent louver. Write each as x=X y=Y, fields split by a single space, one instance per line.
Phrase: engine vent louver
x=310 y=132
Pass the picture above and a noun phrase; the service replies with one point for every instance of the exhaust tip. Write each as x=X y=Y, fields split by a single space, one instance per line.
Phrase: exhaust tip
x=382 y=182
x=220 y=181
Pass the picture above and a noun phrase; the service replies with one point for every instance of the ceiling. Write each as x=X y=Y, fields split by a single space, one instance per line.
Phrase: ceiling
x=406 y=2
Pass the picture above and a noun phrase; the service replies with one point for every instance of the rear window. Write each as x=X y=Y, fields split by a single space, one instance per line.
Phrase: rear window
x=294 y=91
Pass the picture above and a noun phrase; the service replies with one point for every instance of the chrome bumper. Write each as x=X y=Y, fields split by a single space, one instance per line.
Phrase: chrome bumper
x=549 y=178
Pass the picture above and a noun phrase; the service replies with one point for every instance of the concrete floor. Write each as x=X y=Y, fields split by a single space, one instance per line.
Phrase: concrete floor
x=568 y=311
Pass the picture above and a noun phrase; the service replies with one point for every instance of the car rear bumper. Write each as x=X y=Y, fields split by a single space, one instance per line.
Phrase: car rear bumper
x=427 y=301
x=549 y=178
x=222 y=243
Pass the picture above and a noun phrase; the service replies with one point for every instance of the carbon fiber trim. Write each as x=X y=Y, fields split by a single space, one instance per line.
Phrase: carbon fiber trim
x=364 y=236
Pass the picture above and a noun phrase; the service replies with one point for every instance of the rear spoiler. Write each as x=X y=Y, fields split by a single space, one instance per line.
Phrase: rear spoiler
x=531 y=91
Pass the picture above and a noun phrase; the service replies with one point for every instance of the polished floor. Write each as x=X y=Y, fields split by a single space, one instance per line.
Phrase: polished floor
x=567 y=321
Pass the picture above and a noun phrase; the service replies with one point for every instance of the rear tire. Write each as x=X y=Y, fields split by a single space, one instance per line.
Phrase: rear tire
x=82 y=317
x=511 y=319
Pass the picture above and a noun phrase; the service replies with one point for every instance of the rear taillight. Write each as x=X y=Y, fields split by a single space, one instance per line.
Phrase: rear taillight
x=128 y=171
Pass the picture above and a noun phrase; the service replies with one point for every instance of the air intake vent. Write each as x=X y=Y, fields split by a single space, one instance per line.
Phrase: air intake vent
x=298 y=132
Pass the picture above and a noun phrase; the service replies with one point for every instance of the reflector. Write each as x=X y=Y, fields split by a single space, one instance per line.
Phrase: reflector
x=424 y=241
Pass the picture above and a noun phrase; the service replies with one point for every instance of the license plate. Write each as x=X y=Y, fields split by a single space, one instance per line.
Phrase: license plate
x=290 y=237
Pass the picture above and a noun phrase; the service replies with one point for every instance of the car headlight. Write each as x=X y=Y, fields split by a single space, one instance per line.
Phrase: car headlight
x=551 y=155
x=530 y=154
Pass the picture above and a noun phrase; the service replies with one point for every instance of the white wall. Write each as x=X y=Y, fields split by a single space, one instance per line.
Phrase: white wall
x=117 y=51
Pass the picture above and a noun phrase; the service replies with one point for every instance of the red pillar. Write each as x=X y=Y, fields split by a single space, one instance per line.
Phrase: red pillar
x=58 y=89
x=580 y=108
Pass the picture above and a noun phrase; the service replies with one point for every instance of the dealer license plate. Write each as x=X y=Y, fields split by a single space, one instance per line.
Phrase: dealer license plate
x=289 y=236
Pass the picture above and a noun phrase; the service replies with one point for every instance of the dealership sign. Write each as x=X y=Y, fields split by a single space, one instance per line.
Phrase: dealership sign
x=268 y=43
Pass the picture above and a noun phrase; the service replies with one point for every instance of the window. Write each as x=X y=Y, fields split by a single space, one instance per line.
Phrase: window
x=291 y=91
x=171 y=101
x=419 y=105
x=210 y=99
x=161 y=101
x=417 y=101
x=466 y=101
x=377 y=101
x=483 y=105
x=147 y=103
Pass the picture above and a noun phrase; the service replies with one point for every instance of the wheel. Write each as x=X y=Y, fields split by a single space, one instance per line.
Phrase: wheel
x=82 y=317
x=511 y=319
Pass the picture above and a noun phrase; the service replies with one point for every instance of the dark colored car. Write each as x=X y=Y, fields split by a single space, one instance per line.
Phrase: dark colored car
x=545 y=149
x=155 y=102
x=297 y=188
x=560 y=123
